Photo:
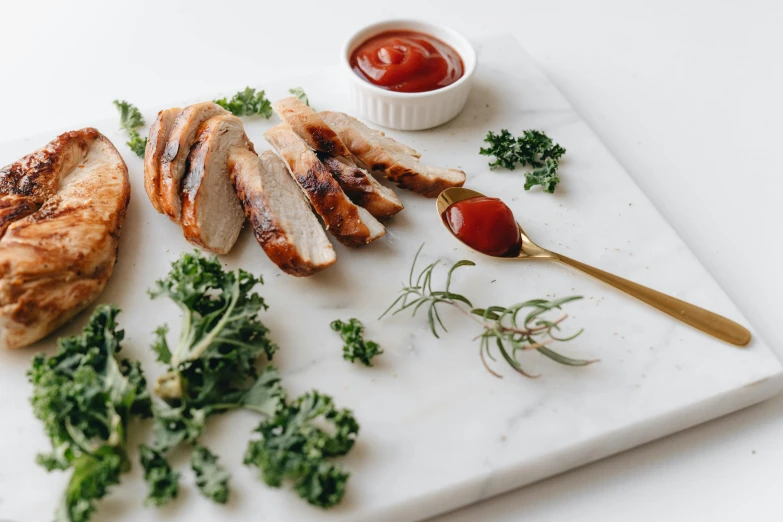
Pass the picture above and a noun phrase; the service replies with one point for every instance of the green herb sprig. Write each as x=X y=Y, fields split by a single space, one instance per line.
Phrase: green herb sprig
x=512 y=330
x=355 y=347
x=248 y=102
x=534 y=149
x=299 y=93
x=130 y=120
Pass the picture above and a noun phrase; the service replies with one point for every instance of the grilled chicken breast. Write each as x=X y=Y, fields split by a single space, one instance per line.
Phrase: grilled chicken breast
x=398 y=162
x=351 y=225
x=212 y=216
x=63 y=207
x=156 y=144
x=282 y=220
x=175 y=155
x=358 y=184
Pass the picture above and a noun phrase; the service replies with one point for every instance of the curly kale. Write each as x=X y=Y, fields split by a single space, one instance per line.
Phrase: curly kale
x=545 y=176
x=214 y=366
x=85 y=395
x=247 y=103
x=221 y=338
x=533 y=148
x=130 y=120
x=355 y=346
x=294 y=446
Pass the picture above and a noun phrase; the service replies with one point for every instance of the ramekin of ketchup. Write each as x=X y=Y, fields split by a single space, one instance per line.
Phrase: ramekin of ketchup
x=407 y=61
x=409 y=75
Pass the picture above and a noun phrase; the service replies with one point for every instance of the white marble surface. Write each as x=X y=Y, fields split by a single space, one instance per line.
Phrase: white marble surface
x=437 y=430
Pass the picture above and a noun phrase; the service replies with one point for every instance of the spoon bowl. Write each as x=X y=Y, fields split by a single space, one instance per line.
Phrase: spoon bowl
x=528 y=250
x=704 y=320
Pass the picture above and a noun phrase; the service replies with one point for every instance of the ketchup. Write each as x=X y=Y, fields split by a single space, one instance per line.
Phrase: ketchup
x=484 y=224
x=407 y=61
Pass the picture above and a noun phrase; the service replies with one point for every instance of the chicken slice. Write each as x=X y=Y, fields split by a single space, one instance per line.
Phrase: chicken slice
x=212 y=216
x=351 y=225
x=282 y=220
x=156 y=144
x=175 y=154
x=309 y=126
x=68 y=202
x=398 y=162
x=361 y=187
x=358 y=184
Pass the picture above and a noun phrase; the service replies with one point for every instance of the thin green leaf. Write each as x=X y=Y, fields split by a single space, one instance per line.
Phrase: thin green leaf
x=431 y=319
x=458 y=264
x=562 y=359
x=413 y=266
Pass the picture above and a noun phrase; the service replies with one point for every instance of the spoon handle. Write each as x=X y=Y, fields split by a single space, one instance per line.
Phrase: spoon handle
x=704 y=320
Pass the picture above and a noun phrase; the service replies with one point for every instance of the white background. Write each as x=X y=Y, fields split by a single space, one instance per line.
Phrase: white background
x=686 y=94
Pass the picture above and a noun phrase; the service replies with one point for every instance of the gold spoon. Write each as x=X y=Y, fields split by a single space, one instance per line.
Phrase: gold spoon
x=704 y=320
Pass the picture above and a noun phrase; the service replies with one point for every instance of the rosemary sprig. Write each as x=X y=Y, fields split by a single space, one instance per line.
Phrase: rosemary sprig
x=518 y=328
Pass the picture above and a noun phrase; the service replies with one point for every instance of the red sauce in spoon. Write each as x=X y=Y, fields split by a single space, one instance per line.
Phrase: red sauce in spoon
x=484 y=224
x=407 y=61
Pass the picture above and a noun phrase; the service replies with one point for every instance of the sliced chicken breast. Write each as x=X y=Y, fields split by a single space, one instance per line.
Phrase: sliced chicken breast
x=398 y=162
x=351 y=225
x=281 y=217
x=361 y=187
x=156 y=144
x=212 y=216
x=175 y=155
x=358 y=184
x=309 y=126
x=63 y=207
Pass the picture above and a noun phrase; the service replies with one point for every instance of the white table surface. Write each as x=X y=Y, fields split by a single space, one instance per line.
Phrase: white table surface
x=686 y=94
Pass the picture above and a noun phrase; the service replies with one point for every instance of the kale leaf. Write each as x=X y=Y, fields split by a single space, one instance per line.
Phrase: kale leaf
x=211 y=478
x=162 y=481
x=85 y=395
x=130 y=120
x=294 y=446
x=247 y=103
x=215 y=365
x=545 y=176
x=533 y=148
x=355 y=346
x=299 y=93
x=222 y=337
x=137 y=144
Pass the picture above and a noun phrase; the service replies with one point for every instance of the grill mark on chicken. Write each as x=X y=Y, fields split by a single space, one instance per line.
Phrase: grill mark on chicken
x=309 y=126
x=324 y=138
x=14 y=208
x=361 y=187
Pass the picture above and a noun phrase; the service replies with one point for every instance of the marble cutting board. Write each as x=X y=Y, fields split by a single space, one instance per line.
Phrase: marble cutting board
x=437 y=430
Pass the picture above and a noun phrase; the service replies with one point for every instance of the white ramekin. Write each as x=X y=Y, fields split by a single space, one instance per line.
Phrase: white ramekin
x=410 y=110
